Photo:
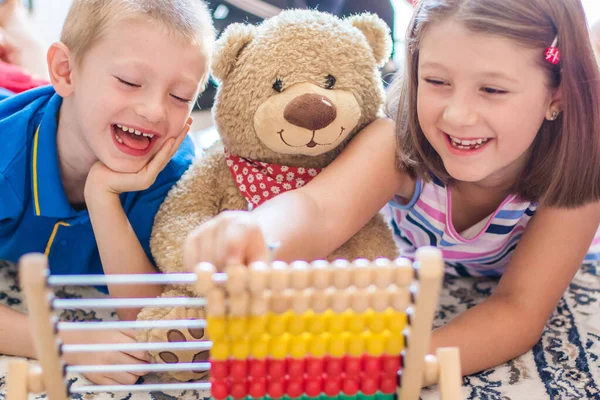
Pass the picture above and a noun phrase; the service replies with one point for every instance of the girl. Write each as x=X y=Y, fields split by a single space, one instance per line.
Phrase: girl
x=496 y=161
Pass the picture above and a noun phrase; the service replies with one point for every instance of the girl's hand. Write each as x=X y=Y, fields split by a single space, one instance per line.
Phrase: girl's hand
x=232 y=237
x=102 y=179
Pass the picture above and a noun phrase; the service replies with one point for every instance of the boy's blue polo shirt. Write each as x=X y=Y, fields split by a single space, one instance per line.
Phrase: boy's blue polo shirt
x=35 y=215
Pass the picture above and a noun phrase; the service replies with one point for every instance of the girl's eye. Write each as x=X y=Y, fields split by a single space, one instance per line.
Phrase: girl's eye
x=278 y=85
x=330 y=82
x=435 y=82
x=124 y=82
x=181 y=99
x=490 y=90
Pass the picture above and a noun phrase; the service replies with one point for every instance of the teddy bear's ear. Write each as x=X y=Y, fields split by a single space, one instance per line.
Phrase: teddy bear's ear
x=377 y=33
x=233 y=39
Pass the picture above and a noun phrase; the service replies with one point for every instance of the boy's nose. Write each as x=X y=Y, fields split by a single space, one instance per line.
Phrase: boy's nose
x=151 y=110
x=310 y=111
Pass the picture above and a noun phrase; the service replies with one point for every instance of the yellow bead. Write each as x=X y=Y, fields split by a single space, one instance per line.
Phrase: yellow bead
x=316 y=323
x=394 y=343
x=220 y=350
x=278 y=348
x=356 y=344
x=240 y=348
x=336 y=323
x=296 y=324
x=277 y=324
x=395 y=320
x=237 y=327
x=375 y=343
x=318 y=345
x=347 y=316
x=376 y=321
x=216 y=328
x=337 y=344
x=358 y=323
x=298 y=347
x=259 y=347
x=257 y=325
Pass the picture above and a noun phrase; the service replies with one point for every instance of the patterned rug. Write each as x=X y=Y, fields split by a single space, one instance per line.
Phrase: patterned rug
x=564 y=364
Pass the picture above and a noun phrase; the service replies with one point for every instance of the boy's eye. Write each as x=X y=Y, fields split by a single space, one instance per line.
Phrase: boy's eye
x=278 y=85
x=124 y=82
x=181 y=99
x=436 y=82
x=490 y=90
x=330 y=82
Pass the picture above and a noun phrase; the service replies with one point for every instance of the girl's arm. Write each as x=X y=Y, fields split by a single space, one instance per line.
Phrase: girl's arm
x=512 y=319
x=312 y=221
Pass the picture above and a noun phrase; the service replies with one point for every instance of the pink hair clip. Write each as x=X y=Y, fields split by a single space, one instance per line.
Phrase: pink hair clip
x=552 y=53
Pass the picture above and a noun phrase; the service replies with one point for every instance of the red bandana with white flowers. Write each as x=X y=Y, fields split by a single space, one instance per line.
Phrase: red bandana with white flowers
x=260 y=181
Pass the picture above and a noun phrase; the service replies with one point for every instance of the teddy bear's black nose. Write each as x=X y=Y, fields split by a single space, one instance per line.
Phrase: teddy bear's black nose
x=310 y=111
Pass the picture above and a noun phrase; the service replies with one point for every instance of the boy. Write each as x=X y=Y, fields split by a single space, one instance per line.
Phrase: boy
x=87 y=161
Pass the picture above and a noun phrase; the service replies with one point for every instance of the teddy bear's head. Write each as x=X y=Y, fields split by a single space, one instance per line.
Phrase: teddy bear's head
x=295 y=89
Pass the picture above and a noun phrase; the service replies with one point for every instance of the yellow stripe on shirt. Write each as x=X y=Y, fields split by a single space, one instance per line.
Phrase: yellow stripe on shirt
x=35 y=185
x=53 y=235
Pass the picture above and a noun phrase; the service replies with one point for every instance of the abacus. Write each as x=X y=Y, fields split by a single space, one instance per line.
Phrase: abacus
x=318 y=330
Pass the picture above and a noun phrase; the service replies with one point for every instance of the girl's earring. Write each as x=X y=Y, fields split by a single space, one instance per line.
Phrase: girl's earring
x=553 y=116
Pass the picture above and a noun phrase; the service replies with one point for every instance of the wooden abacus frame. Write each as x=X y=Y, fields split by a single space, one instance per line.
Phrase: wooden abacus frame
x=413 y=288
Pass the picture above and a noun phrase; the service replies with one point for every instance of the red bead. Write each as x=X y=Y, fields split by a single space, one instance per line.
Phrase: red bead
x=313 y=386
x=257 y=368
x=238 y=370
x=295 y=387
x=350 y=386
x=276 y=369
x=276 y=388
x=219 y=389
x=239 y=390
x=372 y=365
x=219 y=369
x=334 y=366
x=257 y=387
x=352 y=366
x=314 y=366
x=332 y=385
x=295 y=368
x=387 y=384
x=369 y=385
x=390 y=364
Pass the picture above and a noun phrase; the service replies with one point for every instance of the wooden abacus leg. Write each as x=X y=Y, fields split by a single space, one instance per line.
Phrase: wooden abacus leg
x=32 y=271
x=450 y=377
x=430 y=273
x=16 y=383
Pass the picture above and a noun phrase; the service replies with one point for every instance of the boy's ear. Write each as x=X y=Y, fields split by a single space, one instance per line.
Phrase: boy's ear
x=228 y=48
x=60 y=67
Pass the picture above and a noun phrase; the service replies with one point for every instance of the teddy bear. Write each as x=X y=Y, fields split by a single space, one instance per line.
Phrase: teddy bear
x=293 y=92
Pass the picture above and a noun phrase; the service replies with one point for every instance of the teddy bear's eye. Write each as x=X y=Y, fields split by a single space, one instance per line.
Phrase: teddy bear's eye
x=330 y=82
x=278 y=85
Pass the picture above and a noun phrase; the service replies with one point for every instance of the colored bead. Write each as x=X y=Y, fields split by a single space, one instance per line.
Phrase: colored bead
x=314 y=366
x=276 y=387
x=296 y=368
x=316 y=322
x=295 y=387
x=257 y=387
x=358 y=323
x=334 y=366
x=395 y=320
x=336 y=323
x=219 y=369
x=369 y=384
x=385 y=396
x=220 y=350
x=238 y=369
x=276 y=368
x=296 y=324
x=371 y=365
x=257 y=325
x=257 y=368
x=318 y=345
x=343 y=396
x=298 y=347
x=240 y=348
x=332 y=385
x=387 y=384
x=374 y=342
x=376 y=321
x=390 y=364
x=239 y=389
x=219 y=389
x=313 y=386
x=352 y=366
x=277 y=324
x=350 y=386
x=356 y=344
x=394 y=343
x=237 y=327
x=259 y=347
x=278 y=347
x=338 y=344
x=216 y=328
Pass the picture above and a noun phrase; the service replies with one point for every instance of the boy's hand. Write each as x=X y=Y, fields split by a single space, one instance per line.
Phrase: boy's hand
x=232 y=237
x=103 y=179
x=106 y=358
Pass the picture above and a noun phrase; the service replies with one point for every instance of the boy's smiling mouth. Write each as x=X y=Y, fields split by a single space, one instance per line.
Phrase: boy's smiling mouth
x=133 y=141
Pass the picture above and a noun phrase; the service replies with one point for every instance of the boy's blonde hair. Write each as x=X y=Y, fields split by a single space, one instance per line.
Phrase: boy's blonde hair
x=88 y=20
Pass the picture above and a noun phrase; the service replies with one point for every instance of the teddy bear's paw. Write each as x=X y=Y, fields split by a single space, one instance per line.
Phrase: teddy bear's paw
x=184 y=356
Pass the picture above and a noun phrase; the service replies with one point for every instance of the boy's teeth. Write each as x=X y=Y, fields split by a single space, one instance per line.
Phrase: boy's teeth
x=134 y=131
